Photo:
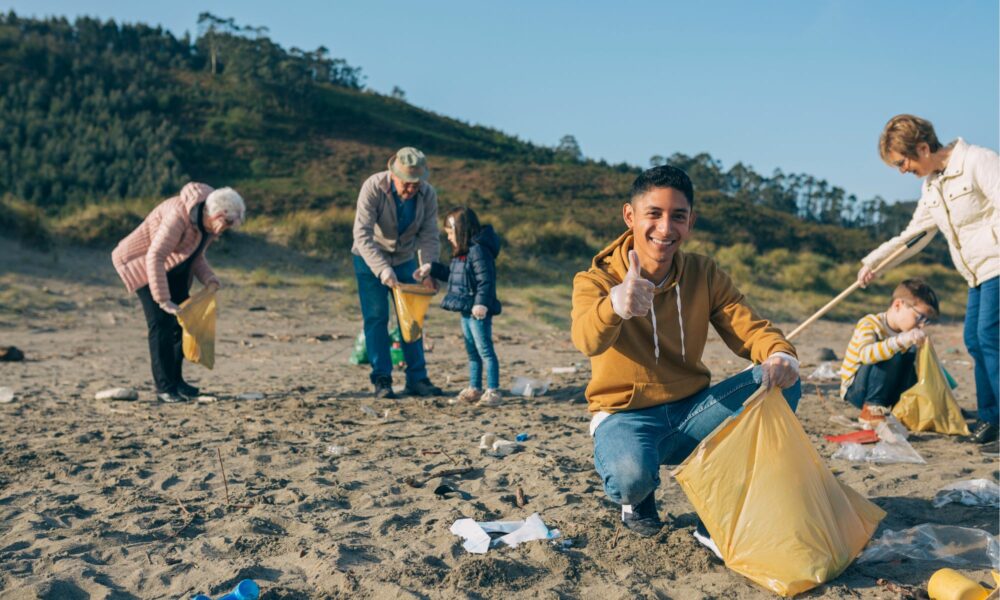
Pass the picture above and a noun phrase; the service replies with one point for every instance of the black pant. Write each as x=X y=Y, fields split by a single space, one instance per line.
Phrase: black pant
x=166 y=352
x=882 y=383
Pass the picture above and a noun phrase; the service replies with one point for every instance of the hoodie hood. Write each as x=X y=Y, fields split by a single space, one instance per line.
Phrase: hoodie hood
x=488 y=239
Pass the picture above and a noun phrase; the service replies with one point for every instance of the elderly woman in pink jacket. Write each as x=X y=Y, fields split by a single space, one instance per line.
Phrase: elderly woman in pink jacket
x=159 y=261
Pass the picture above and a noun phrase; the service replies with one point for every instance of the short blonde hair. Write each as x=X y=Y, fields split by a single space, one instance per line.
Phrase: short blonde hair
x=226 y=200
x=903 y=133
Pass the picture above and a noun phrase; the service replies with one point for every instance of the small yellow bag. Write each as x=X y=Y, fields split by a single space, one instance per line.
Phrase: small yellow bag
x=197 y=318
x=412 y=301
x=771 y=505
x=929 y=405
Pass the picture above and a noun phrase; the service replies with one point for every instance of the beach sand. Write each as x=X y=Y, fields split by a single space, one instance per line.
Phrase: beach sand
x=105 y=499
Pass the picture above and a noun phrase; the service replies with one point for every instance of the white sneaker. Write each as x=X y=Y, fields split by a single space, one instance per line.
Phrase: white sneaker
x=491 y=397
x=469 y=395
x=701 y=534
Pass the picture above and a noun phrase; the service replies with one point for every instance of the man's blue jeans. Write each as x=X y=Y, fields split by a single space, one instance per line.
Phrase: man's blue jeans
x=982 y=338
x=479 y=346
x=375 y=299
x=630 y=446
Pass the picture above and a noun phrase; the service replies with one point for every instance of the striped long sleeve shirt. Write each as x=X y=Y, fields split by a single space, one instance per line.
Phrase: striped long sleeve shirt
x=873 y=341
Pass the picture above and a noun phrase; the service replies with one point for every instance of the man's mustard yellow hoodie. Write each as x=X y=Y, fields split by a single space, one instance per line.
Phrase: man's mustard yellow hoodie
x=627 y=374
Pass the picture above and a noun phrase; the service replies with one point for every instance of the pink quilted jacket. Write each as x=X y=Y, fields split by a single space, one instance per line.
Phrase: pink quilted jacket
x=165 y=239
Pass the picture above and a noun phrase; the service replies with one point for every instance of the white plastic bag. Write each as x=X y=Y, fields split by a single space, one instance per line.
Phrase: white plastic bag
x=529 y=388
x=960 y=546
x=827 y=371
x=974 y=492
x=891 y=448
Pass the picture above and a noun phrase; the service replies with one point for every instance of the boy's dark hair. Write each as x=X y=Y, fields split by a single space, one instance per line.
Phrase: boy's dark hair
x=916 y=289
x=663 y=176
x=466 y=225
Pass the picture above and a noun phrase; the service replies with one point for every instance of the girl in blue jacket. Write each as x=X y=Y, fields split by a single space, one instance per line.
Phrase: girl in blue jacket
x=472 y=285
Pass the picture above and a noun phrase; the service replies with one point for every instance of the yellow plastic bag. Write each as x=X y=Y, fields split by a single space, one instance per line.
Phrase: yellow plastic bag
x=197 y=318
x=412 y=301
x=929 y=405
x=771 y=505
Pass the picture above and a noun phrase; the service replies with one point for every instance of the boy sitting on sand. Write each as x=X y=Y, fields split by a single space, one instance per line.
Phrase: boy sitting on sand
x=641 y=313
x=879 y=361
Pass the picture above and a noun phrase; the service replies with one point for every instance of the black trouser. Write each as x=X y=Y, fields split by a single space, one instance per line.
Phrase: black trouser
x=882 y=383
x=166 y=351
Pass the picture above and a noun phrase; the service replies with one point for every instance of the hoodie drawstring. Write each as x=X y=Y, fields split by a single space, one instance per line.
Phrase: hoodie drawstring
x=680 y=323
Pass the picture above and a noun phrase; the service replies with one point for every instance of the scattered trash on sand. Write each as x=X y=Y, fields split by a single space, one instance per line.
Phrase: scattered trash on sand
x=563 y=370
x=337 y=450
x=973 y=492
x=477 y=534
x=828 y=371
x=118 y=393
x=250 y=396
x=206 y=399
x=949 y=583
x=369 y=411
x=528 y=387
x=6 y=395
x=521 y=437
x=495 y=446
x=957 y=546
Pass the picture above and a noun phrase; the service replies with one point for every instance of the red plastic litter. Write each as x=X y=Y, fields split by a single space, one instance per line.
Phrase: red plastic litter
x=855 y=437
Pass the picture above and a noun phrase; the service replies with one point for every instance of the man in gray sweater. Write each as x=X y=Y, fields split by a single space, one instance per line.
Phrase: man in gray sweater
x=396 y=217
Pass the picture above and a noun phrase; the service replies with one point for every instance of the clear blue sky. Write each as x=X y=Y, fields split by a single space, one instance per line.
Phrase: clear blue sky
x=804 y=85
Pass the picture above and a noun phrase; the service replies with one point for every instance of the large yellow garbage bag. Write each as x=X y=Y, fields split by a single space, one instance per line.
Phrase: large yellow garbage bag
x=929 y=405
x=776 y=512
x=412 y=301
x=197 y=318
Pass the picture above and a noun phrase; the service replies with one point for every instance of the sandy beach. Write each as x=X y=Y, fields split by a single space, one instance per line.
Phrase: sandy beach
x=120 y=500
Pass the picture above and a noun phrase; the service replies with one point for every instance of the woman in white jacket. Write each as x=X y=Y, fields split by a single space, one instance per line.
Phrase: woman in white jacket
x=960 y=197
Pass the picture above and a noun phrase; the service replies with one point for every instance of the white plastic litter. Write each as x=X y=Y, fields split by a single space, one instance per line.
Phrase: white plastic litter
x=563 y=370
x=250 y=396
x=117 y=394
x=477 y=535
x=826 y=371
x=891 y=448
x=6 y=395
x=495 y=446
x=369 y=411
x=973 y=492
x=528 y=387
x=960 y=546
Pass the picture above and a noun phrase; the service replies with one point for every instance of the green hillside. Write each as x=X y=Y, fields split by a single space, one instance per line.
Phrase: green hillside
x=100 y=120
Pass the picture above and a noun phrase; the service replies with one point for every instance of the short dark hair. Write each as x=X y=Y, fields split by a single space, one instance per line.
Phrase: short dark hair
x=663 y=176
x=916 y=289
x=466 y=228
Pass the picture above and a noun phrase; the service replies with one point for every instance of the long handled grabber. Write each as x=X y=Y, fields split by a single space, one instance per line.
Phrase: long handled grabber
x=854 y=286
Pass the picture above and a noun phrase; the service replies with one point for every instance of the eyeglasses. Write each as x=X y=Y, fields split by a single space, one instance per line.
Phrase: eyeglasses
x=921 y=317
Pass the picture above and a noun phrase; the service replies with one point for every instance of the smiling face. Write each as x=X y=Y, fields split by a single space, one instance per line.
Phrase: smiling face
x=921 y=166
x=660 y=220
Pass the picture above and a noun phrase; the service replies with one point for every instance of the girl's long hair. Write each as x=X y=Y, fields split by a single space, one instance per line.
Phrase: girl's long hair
x=466 y=225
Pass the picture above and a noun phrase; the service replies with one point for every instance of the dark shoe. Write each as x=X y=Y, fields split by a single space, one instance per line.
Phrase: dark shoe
x=383 y=388
x=186 y=389
x=701 y=534
x=990 y=449
x=985 y=433
x=170 y=397
x=424 y=387
x=643 y=519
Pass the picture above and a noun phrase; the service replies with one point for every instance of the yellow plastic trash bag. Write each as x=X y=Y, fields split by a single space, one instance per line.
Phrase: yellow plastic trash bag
x=929 y=405
x=197 y=318
x=412 y=300
x=771 y=505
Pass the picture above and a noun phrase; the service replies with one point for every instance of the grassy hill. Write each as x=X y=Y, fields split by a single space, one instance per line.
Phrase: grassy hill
x=100 y=121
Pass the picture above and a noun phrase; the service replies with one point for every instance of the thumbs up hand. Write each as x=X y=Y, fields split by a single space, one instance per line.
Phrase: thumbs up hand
x=633 y=297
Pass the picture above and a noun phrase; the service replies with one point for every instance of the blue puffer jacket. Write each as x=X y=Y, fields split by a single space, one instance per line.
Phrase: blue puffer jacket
x=472 y=279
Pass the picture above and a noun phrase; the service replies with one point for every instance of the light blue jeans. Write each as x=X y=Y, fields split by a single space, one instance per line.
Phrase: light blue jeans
x=630 y=446
x=479 y=346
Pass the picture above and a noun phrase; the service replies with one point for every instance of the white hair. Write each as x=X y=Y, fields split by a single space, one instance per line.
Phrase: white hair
x=226 y=200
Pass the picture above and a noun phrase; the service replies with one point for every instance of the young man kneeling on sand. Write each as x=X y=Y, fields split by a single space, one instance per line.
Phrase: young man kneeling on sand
x=641 y=313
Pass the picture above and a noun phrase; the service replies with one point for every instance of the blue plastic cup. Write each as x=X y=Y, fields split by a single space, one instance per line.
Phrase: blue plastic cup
x=244 y=590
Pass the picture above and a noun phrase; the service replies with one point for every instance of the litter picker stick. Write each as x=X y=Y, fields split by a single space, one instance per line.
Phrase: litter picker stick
x=854 y=286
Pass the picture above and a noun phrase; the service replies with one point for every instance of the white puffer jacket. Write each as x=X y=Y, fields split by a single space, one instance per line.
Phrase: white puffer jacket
x=964 y=203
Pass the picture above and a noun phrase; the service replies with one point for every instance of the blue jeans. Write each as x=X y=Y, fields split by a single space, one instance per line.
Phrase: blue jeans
x=375 y=299
x=630 y=446
x=479 y=346
x=982 y=338
x=882 y=383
